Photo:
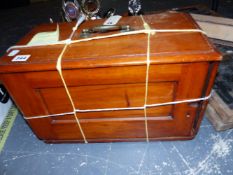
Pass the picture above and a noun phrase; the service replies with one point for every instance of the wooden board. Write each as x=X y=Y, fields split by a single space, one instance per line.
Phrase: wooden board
x=216 y=120
x=219 y=114
x=216 y=27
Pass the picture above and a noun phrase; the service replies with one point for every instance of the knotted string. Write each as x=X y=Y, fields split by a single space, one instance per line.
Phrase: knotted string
x=59 y=69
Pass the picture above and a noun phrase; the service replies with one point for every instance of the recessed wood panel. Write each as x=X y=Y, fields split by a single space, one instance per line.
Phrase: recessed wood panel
x=123 y=128
x=111 y=96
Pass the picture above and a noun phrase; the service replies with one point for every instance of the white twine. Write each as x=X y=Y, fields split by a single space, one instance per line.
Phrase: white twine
x=59 y=69
x=143 y=31
x=147 y=27
x=122 y=109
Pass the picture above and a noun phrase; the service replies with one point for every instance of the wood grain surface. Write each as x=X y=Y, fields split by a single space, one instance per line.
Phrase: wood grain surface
x=111 y=73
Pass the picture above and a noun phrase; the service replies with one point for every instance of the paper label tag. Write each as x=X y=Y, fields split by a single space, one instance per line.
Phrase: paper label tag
x=112 y=20
x=13 y=53
x=45 y=37
x=20 y=58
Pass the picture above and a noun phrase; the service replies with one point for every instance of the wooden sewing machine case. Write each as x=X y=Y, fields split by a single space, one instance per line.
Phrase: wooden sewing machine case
x=111 y=73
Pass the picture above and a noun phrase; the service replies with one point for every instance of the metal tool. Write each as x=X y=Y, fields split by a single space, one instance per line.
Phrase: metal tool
x=104 y=28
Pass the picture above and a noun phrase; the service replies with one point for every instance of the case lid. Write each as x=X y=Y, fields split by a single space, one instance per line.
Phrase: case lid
x=165 y=48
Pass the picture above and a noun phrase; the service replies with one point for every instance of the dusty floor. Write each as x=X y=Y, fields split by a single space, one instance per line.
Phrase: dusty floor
x=209 y=153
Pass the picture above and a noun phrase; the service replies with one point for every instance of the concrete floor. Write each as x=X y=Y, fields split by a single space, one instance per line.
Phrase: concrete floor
x=209 y=153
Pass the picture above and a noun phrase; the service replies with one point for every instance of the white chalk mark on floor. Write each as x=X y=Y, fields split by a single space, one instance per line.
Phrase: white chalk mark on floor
x=142 y=159
x=107 y=161
x=182 y=158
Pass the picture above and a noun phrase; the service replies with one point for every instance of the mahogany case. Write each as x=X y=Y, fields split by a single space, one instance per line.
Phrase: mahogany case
x=111 y=73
